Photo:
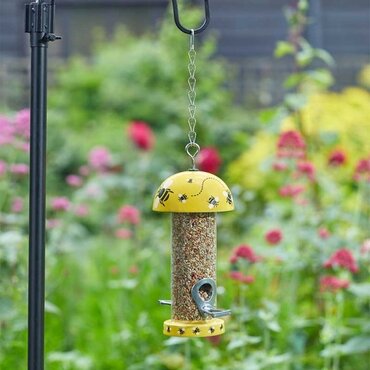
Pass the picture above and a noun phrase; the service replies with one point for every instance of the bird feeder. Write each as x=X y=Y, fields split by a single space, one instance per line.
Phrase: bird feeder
x=193 y=197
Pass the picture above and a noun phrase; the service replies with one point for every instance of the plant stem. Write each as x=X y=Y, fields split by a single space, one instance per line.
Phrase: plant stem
x=340 y=305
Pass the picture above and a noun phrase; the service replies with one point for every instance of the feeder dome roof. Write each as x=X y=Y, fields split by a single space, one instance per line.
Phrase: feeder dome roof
x=193 y=191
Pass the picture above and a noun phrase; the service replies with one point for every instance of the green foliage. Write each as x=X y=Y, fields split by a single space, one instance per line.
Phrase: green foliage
x=130 y=78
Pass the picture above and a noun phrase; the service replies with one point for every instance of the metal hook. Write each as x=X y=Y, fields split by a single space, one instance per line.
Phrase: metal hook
x=196 y=30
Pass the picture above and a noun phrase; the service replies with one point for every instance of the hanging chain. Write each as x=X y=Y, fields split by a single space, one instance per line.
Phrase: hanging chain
x=192 y=148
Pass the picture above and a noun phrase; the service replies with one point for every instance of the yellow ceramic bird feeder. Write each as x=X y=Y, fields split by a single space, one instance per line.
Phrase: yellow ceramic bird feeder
x=193 y=197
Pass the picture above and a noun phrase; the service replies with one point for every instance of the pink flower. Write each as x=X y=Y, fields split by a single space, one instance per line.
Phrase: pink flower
x=133 y=270
x=274 y=236
x=22 y=123
x=84 y=171
x=74 y=180
x=129 y=214
x=215 y=340
x=342 y=258
x=323 y=233
x=337 y=158
x=25 y=147
x=209 y=160
x=291 y=190
x=60 y=204
x=291 y=145
x=279 y=166
x=362 y=170
x=53 y=223
x=17 y=205
x=141 y=135
x=123 y=233
x=233 y=259
x=332 y=283
x=246 y=252
x=239 y=276
x=81 y=210
x=19 y=169
x=3 y=168
x=306 y=168
x=365 y=247
x=100 y=158
x=7 y=131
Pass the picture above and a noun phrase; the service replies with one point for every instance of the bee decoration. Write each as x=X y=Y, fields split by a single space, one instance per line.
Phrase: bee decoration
x=213 y=202
x=229 y=198
x=182 y=198
x=190 y=181
x=163 y=194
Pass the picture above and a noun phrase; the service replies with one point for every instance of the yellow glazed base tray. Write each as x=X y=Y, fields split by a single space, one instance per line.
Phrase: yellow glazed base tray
x=208 y=328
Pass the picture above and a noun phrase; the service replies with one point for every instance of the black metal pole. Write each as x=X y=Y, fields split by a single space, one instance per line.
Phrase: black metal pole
x=39 y=23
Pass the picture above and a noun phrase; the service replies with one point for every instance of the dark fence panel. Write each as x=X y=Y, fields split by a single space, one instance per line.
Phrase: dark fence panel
x=247 y=31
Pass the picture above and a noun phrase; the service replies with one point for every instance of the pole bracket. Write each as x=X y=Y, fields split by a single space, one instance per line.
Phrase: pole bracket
x=40 y=20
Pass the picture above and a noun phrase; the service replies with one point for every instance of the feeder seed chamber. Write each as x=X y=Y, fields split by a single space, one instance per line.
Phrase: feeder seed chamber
x=193 y=197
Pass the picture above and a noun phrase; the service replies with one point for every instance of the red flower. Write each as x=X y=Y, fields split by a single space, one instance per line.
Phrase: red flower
x=291 y=190
x=291 y=145
x=246 y=252
x=337 y=158
x=342 y=258
x=332 y=283
x=234 y=259
x=323 y=233
x=215 y=340
x=362 y=171
x=133 y=270
x=129 y=214
x=141 y=135
x=306 y=168
x=209 y=160
x=123 y=233
x=239 y=276
x=274 y=236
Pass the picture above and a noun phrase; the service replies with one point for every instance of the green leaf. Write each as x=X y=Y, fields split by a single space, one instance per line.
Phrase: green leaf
x=322 y=77
x=51 y=308
x=242 y=340
x=305 y=57
x=293 y=80
x=295 y=101
x=359 y=344
x=360 y=290
x=324 y=56
x=273 y=326
x=283 y=48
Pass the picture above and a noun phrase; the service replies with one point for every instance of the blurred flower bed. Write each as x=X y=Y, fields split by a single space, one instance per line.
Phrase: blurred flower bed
x=294 y=258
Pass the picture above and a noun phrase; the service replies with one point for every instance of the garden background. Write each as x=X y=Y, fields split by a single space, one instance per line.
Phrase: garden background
x=293 y=258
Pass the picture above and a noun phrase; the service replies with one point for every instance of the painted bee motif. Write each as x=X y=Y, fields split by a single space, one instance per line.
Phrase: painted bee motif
x=190 y=181
x=163 y=193
x=229 y=198
x=182 y=198
x=213 y=202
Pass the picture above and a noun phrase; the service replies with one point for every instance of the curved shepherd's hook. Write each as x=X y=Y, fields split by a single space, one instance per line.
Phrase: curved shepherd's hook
x=196 y=30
